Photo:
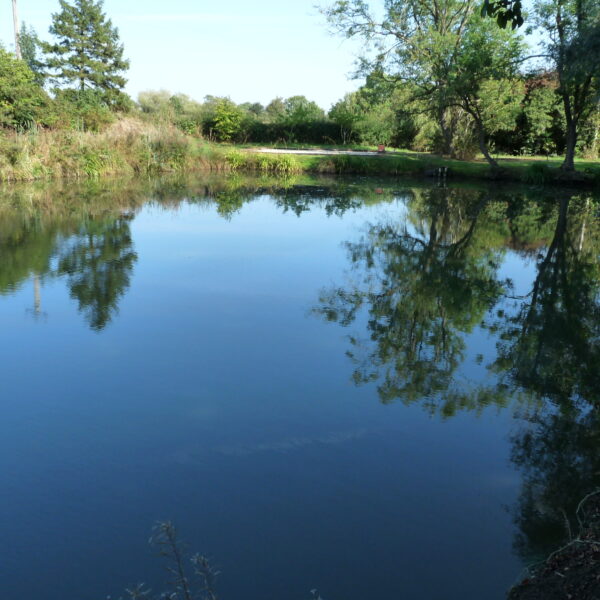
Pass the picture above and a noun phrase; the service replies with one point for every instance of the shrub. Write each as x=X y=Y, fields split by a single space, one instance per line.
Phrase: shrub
x=22 y=100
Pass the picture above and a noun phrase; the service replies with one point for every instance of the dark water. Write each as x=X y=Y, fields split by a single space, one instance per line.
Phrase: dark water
x=372 y=390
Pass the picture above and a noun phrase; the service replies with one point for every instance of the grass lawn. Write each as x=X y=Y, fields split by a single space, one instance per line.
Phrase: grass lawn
x=534 y=169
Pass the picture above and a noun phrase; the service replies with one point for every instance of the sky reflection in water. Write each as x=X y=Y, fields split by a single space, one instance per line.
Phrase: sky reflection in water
x=375 y=390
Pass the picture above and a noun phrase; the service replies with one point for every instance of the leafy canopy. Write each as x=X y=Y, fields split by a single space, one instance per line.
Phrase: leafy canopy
x=87 y=52
x=505 y=12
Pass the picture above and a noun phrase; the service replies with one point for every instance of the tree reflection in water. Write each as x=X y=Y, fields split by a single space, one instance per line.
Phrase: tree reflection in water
x=98 y=261
x=426 y=282
x=423 y=284
x=96 y=255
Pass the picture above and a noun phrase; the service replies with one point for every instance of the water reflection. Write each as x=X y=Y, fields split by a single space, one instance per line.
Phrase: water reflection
x=98 y=261
x=95 y=256
x=427 y=281
x=426 y=286
x=550 y=344
x=81 y=234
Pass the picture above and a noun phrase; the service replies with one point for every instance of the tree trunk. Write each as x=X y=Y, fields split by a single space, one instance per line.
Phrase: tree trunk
x=483 y=145
x=447 y=148
x=571 y=140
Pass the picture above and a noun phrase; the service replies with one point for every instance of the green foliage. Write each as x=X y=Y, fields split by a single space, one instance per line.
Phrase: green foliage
x=485 y=83
x=157 y=103
x=571 y=34
x=299 y=110
x=227 y=120
x=256 y=109
x=30 y=45
x=540 y=110
x=500 y=101
x=443 y=52
x=505 y=12
x=180 y=110
x=275 y=110
x=22 y=101
x=347 y=114
x=82 y=110
x=377 y=114
x=87 y=52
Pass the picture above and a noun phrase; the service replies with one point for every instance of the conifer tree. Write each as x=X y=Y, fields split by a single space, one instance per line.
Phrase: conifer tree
x=87 y=53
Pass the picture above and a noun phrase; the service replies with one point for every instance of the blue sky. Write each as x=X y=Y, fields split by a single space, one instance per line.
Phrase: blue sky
x=250 y=51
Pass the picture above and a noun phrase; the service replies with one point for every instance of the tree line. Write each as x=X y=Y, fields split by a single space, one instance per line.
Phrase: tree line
x=439 y=76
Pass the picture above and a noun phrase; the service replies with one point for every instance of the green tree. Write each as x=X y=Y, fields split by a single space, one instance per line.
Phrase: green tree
x=347 y=114
x=256 y=109
x=87 y=52
x=275 y=110
x=442 y=49
x=571 y=30
x=416 y=41
x=542 y=112
x=485 y=83
x=157 y=103
x=30 y=45
x=299 y=110
x=21 y=99
x=228 y=120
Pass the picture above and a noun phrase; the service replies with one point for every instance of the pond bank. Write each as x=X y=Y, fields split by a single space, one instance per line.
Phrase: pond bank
x=134 y=149
x=572 y=571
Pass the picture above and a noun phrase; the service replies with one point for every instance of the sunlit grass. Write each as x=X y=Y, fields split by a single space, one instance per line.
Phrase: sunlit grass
x=132 y=147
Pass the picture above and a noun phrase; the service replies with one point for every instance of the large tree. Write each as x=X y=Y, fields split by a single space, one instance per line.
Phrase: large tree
x=87 y=52
x=416 y=41
x=485 y=82
x=571 y=30
x=424 y=43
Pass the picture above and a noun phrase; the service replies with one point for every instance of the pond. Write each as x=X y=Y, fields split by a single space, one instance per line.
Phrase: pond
x=369 y=389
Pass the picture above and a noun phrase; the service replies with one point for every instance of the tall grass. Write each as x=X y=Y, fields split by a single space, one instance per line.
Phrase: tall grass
x=132 y=147
x=126 y=147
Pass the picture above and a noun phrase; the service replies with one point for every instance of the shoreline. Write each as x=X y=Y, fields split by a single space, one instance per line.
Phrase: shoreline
x=141 y=151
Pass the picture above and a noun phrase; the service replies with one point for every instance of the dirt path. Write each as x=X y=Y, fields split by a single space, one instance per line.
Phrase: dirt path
x=318 y=152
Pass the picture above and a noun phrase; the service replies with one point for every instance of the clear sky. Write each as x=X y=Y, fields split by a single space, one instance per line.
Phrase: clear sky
x=250 y=51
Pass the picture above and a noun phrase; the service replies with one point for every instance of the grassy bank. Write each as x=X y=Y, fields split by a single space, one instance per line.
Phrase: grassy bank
x=532 y=170
x=130 y=147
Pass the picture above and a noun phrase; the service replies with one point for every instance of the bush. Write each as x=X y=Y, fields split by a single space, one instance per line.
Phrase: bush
x=22 y=101
x=81 y=111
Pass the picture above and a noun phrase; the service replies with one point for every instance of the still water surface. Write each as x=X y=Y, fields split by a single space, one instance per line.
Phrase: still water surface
x=375 y=391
